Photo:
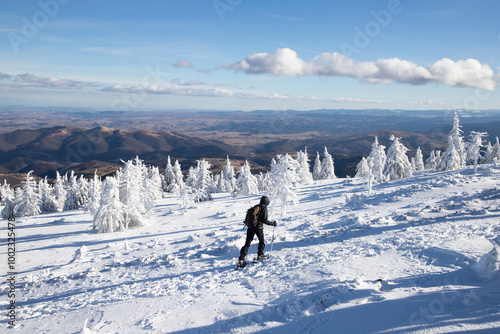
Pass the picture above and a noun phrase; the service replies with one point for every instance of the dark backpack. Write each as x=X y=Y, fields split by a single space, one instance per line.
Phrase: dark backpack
x=252 y=217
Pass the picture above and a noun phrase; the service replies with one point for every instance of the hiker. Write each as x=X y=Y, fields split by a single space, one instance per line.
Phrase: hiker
x=259 y=230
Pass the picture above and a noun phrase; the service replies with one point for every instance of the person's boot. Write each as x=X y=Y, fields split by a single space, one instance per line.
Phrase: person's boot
x=261 y=257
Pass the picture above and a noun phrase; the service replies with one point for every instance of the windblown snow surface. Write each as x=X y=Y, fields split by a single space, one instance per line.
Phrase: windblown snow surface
x=412 y=256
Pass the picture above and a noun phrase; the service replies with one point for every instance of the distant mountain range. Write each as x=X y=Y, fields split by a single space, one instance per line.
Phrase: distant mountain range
x=86 y=150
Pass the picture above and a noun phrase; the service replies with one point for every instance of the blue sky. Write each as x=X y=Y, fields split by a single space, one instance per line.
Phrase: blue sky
x=250 y=54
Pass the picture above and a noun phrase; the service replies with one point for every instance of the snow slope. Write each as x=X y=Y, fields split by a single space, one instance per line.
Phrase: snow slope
x=412 y=256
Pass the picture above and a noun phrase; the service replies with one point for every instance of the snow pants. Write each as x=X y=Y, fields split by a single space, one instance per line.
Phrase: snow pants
x=251 y=232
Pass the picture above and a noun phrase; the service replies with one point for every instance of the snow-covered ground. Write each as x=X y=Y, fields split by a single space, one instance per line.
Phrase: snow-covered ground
x=412 y=256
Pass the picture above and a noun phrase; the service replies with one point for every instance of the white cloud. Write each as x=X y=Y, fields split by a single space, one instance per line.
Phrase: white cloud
x=183 y=64
x=285 y=62
x=222 y=92
x=52 y=82
x=4 y=76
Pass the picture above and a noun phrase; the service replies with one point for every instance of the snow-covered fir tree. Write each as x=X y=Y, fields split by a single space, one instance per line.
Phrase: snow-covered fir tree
x=419 y=160
x=304 y=171
x=178 y=184
x=227 y=181
x=94 y=195
x=202 y=181
x=28 y=198
x=454 y=149
x=317 y=168
x=5 y=191
x=153 y=182
x=8 y=200
x=284 y=181
x=377 y=159
x=169 y=178
x=84 y=188
x=432 y=161
x=246 y=183
x=59 y=191
x=363 y=169
x=72 y=193
x=397 y=165
x=132 y=193
x=474 y=147
x=48 y=202
x=191 y=177
x=327 y=167
x=110 y=214
x=492 y=153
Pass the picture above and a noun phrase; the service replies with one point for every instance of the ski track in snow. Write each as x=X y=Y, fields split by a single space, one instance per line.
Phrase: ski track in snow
x=401 y=259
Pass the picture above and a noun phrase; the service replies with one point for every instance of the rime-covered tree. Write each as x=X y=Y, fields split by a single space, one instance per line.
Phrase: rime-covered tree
x=362 y=169
x=72 y=193
x=84 y=187
x=8 y=199
x=474 y=147
x=455 y=148
x=5 y=191
x=110 y=214
x=377 y=159
x=246 y=183
x=28 y=200
x=284 y=181
x=397 y=165
x=327 y=167
x=48 y=202
x=419 y=160
x=59 y=191
x=227 y=181
x=202 y=181
x=304 y=172
x=492 y=153
x=432 y=161
x=132 y=193
x=94 y=195
x=178 y=180
x=169 y=178
x=317 y=168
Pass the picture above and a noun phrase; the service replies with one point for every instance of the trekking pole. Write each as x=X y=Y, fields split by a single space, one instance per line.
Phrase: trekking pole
x=272 y=241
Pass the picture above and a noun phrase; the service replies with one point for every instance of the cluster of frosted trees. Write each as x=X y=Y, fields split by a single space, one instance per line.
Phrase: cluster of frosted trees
x=68 y=192
x=380 y=166
x=279 y=183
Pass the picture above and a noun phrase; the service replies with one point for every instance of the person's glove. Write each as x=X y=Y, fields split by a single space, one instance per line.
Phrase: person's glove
x=275 y=223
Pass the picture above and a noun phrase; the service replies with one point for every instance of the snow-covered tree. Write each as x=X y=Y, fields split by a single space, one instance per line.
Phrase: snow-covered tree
x=246 y=183
x=363 y=169
x=191 y=176
x=202 y=181
x=48 y=202
x=178 y=182
x=72 y=193
x=454 y=149
x=304 y=172
x=110 y=214
x=474 y=147
x=8 y=200
x=492 y=153
x=327 y=167
x=84 y=188
x=5 y=191
x=317 y=168
x=59 y=191
x=397 y=165
x=377 y=159
x=227 y=181
x=132 y=193
x=419 y=160
x=284 y=182
x=28 y=201
x=187 y=197
x=432 y=161
x=169 y=176
x=95 y=190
